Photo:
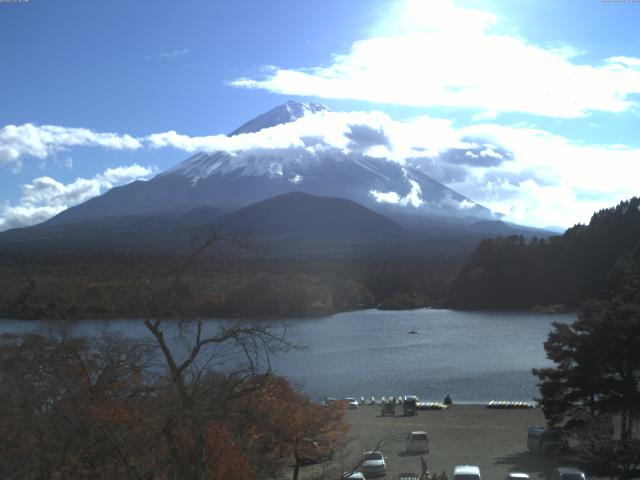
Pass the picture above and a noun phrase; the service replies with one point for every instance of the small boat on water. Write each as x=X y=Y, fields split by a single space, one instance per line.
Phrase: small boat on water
x=413 y=332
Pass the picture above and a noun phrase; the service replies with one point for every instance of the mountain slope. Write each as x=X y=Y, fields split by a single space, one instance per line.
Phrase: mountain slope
x=158 y=232
x=231 y=181
x=286 y=220
x=298 y=214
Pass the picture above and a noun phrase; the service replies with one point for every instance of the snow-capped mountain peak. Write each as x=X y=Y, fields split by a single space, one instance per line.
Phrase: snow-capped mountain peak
x=235 y=179
x=230 y=180
x=285 y=113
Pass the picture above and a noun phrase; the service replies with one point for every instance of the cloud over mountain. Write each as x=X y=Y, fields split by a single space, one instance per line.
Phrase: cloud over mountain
x=45 y=197
x=436 y=54
x=528 y=174
x=42 y=141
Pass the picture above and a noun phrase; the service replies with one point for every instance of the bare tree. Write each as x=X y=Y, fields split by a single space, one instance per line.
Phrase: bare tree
x=195 y=355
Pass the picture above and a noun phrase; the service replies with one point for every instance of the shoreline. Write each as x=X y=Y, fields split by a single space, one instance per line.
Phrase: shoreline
x=293 y=316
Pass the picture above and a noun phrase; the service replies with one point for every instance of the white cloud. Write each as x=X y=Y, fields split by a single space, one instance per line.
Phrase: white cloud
x=490 y=152
x=413 y=198
x=332 y=128
x=551 y=180
x=385 y=197
x=296 y=179
x=271 y=138
x=120 y=175
x=42 y=141
x=531 y=175
x=438 y=54
x=45 y=197
x=466 y=204
x=335 y=129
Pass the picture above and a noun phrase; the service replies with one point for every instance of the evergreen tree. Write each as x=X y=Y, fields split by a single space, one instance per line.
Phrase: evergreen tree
x=597 y=365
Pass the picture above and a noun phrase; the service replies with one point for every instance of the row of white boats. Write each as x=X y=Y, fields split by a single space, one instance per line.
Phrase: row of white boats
x=495 y=404
x=509 y=405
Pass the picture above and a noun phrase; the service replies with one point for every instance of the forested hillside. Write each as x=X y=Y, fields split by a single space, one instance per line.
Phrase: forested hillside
x=511 y=273
x=116 y=285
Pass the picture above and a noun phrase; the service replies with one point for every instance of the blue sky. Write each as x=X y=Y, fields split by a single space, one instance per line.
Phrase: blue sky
x=85 y=84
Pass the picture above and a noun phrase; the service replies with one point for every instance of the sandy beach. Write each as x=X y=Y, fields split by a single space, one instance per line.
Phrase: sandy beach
x=495 y=440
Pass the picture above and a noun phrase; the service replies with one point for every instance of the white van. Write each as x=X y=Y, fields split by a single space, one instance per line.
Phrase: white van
x=466 y=472
x=418 y=442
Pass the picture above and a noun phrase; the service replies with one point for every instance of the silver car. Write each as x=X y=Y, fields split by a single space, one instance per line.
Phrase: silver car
x=353 y=476
x=351 y=402
x=373 y=464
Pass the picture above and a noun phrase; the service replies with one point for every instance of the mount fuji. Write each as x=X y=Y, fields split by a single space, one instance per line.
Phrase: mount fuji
x=229 y=181
x=323 y=197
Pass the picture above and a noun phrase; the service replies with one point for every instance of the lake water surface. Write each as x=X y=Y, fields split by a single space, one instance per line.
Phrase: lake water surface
x=473 y=356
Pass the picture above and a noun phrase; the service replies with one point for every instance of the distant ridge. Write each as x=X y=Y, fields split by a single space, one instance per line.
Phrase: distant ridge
x=294 y=217
x=302 y=215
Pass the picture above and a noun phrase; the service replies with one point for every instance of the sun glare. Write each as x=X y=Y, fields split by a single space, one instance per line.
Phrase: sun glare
x=423 y=15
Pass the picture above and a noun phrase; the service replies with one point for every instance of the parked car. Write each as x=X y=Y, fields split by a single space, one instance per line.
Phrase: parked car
x=353 y=476
x=351 y=402
x=568 y=473
x=409 y=405
x=545 y=440
x=373 y=464
x=517 y=476
x=418 y=442
x=466 y=472
x=329 y=400
x=389 y=408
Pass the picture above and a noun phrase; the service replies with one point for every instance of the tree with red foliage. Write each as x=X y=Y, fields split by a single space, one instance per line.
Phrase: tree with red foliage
x=286 y=424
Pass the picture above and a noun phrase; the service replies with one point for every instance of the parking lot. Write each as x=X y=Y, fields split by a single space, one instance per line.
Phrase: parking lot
x=495 y=440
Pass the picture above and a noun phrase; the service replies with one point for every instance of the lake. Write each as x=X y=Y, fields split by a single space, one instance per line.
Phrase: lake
x=474 y=356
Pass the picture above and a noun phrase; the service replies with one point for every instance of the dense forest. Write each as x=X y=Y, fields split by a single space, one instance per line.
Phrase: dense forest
x=562 y=270
x=502 y=273
x=245 y=285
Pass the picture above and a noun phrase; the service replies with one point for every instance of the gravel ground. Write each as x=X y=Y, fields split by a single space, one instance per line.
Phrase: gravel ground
x=495 y=440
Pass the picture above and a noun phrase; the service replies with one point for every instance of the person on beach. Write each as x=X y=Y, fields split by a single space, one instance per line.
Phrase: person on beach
x=423 y=467
x=447 y=400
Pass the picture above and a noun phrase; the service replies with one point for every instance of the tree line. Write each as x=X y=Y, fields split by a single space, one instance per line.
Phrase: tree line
x=248 y=285
x=511 y=273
